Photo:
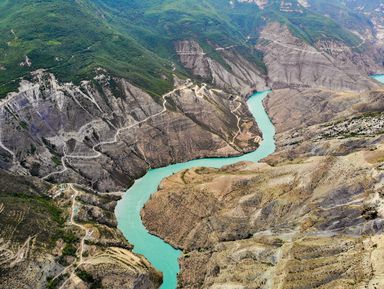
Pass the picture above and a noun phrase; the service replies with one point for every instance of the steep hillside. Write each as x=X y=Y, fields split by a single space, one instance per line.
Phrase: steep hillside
x=316 y=223
x=97 y=133
x=94 y=93
x=71 y=40
x=311 y=215
x=363 y=17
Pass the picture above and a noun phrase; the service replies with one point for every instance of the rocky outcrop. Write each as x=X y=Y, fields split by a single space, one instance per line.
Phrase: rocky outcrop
x=260 y=3
x=374 y=12
x=295 y=6
x=308 y=107
x=291 y=62
x=46 y=242
x=364 y=57
x=105 y=133
x=323 y=122
x=235 y=74
x=317 y=222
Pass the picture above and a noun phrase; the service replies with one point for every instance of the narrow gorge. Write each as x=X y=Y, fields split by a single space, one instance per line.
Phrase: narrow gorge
x=160 y=254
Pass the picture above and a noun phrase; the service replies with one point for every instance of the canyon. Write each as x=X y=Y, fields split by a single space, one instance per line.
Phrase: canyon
x=313 y=206
x=83 y=119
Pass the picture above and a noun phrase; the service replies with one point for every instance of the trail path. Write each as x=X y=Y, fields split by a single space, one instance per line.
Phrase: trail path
x=114 y=140
x=322 y=50
x=238 y=119
x=71 y=269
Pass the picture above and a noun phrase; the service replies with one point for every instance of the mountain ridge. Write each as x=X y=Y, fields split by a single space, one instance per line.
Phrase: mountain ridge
x=134 y=40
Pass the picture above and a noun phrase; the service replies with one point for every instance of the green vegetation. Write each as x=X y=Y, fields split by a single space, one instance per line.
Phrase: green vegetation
x=69 y=250
x=346 y=13
x=69 y=237
x=42 y=205
x=71 y=39
x=87 y=277
x=312 y=27
x=33 y=149
x=56 y=160
x=134 y=38
x=53 y=283
x=28 y=212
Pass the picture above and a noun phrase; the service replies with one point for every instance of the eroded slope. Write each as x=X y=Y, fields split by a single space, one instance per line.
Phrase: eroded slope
x=107 y=132
x=313 y=223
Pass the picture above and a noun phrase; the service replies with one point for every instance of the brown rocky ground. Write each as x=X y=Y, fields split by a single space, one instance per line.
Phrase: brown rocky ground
x=313 y=223
x=319 y=122
x=293 y=63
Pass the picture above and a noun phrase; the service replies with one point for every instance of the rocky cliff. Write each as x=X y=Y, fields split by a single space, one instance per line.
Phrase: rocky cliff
x=105 y=133
x=234 y=73
x=291 y=62
x=324 y=122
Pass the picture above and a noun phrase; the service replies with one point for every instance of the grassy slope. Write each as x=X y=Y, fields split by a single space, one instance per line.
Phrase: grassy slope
x=345 y=13
x=68 y=31
x=157 y=24
x=132 y=38
x=311 y=25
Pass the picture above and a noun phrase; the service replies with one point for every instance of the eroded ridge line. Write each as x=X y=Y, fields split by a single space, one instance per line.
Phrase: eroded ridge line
x=118 y=131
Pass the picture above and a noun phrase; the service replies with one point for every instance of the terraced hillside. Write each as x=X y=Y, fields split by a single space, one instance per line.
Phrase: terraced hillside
x=64 y=235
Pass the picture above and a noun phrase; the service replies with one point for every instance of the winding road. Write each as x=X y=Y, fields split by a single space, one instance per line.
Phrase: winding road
x=115 y=137
x=71 y=269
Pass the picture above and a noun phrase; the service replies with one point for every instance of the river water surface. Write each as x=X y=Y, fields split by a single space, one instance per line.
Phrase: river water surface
x=163 y=256
x=378 y=77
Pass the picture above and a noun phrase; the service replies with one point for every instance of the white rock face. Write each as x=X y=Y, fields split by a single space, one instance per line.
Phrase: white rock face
x=285 y=5
x=260 y=3
x=242 y=77
x=304 y=3
x=26 y=63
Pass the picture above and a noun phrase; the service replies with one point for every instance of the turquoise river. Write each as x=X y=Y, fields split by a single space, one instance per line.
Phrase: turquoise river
x=163 y=256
